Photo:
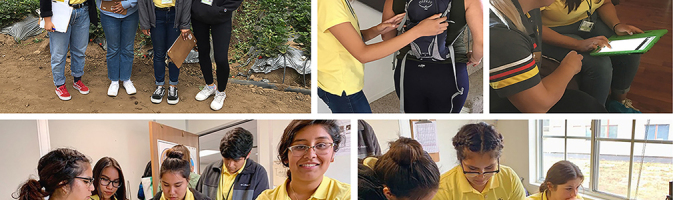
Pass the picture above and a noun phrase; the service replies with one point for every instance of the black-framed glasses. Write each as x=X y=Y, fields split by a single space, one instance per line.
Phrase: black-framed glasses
x=320 y=149
x=104 y=181
x=475 y=174
x=87 y=180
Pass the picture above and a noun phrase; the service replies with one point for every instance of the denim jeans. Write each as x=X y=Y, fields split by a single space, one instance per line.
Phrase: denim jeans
x=119 y=33
x=74 y=39
x=354 y=103
x=163 y=36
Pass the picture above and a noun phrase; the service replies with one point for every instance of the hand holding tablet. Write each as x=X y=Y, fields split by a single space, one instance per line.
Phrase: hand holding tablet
x=630 y=44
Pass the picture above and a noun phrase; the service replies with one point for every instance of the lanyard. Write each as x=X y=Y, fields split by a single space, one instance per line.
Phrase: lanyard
x=589 y=11
x=230 y=187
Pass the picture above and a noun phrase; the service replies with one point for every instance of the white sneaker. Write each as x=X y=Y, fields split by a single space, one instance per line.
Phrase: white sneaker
x=113 y=89
x=205 y=93
x=218 y=101
x=128 y=86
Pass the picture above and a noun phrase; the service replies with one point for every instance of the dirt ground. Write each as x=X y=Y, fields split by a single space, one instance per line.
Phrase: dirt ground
x=27 y=86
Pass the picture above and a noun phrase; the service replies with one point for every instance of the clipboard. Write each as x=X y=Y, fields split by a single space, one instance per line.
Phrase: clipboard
x=434 y=156
x=61 y=16
x=181 y=48
x=107 y=6
x=651 y=37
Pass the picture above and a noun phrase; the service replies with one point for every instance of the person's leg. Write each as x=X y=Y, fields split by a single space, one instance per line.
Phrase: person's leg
x=574 y=101
x=221 y=50
x=202 y=34
x=358 y=102
x=58 y=48
x=171 y=35
x=158 y=35
x=443 y=87
x=78 y=43
x=129 y=26
x=414 y=101
x=112 y=28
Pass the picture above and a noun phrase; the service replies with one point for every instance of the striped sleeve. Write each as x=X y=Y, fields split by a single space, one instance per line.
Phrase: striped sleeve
x=512 y=68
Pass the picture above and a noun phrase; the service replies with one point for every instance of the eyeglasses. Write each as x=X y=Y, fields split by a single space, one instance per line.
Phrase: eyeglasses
x=87 y=180
x=105 y=182
x=320 y=149
x=475 y=174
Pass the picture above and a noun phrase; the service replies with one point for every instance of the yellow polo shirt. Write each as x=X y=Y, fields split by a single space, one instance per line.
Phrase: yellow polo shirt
x=73 y=2
x=227 y=182
x=160 y=4
x=188 y=196
x=502 y=186
x=556 y=14
x=338 y=70
x=543 y=196
x=95 y=197
x=329 y=189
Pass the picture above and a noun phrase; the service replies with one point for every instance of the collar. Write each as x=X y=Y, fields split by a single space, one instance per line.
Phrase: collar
x=465 y=186
x=224 y=169
x=320 y=193
x=544 y=195
x=188 y=196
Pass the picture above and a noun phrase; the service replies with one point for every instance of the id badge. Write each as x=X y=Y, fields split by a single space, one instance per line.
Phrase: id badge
x=166 y=1
x=207 y=2
x=586 y=25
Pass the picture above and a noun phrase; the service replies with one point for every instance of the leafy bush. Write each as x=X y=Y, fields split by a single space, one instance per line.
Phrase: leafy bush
x=12 y=11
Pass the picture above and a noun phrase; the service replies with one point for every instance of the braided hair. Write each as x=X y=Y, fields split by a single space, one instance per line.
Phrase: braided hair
x=479 y=138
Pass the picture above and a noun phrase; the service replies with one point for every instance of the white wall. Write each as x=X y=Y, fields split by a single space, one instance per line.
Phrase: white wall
x=20 y=154
x=516 y=152
x=125 y=141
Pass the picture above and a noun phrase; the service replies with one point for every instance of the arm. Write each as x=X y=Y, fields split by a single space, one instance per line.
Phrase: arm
x=129 y=3
x=554 y=38
x=262 y=184
x=608 y=14
x=474 y=16
x=385 y=27
x=143 y=15
x=387 y=14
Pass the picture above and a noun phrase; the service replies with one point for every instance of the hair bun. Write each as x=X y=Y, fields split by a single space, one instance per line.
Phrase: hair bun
x=174 y=154
x=405 y=151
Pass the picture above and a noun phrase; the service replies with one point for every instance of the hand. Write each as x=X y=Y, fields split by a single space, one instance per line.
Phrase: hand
x=590 y=44
x=118 y=8
x=48 y=26
x=432 y=25
x=573 y=61
x=185 y=33
x=146 y=32
x=625 y=29
x=474 y=59
x=390 y=24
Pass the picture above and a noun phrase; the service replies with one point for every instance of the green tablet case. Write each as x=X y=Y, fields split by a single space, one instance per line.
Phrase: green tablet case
x=656 y=33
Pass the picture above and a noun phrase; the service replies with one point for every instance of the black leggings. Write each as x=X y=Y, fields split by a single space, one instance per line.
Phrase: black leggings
x=428 y=89
x=221 y=36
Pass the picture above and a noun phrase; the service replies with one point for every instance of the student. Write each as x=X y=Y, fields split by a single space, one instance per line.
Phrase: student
x=175 y=179
x=404 y=172
x=479 y=174
x=120 y=33
x=307 y=147
x=516 y=85
x=213 y=17
x=235 y=176
x=342 y=52
x=75 y=40
x=561 y=183
x=444 y=95
x=65 y=174
x=164 y=21
x=193 y=177
x=108 y=180
x=600 y=75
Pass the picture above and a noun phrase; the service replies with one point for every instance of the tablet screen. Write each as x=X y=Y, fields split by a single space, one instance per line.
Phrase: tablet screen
x=628 y=44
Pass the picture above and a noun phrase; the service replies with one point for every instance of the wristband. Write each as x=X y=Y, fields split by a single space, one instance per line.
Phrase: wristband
x=615 y=26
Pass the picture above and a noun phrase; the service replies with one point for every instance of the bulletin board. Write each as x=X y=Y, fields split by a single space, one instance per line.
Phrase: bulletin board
x=425 y=132
x=162 y=137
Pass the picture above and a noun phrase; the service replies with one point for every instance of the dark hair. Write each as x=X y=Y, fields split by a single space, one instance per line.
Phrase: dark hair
x=407 y=170
x=175 y=163
x=297 y=125
x=56 y=169
x=97 y=172
x=236 y=143
x=185 y=152
x=480 y=138
x=574 y=4
x=560 y=173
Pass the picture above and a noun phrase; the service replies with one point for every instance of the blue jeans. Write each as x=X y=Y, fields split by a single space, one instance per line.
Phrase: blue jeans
x=119 y=33
x=354 y=103
x=74 y=39
x=163 y=36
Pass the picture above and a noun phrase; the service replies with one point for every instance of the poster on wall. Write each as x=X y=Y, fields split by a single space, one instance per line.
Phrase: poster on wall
x=165 y=145
x=345 y=131
x=425 y=132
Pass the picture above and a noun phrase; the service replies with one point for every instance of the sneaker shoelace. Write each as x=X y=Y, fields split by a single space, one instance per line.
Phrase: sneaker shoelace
x=172 y=91
x=158 y=91
x=220 y=96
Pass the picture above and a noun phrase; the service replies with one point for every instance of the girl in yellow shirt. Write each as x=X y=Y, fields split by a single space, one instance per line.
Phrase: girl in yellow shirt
x=108 y=180
x=562 y=183
x=479 y=175
x=174 y=176
x=307 y=147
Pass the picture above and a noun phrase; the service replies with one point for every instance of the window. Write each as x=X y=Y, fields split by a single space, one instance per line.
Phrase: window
x=620 y=159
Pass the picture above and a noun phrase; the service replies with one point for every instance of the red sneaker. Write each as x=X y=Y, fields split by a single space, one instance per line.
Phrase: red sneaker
x=62 y=93
x=79 y=86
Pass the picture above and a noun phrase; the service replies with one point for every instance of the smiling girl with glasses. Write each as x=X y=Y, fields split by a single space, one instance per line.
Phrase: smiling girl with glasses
x=64 y=174
x=480 y=175
x=108 y=180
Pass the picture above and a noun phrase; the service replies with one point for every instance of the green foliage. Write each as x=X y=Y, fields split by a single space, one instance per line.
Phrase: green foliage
x=12 y=11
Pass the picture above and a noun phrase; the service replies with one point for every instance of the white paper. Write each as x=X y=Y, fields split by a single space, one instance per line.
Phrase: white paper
x=426 y=134
x=165 y=145
x=61 y=16
x=627 y=45
x=345 y=130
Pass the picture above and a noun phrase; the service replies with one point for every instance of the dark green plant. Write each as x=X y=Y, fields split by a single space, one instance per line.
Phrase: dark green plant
x=12 y=11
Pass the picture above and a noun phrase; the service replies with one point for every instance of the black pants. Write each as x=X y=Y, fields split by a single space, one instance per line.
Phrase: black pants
x=221 y=36
x=428 y=89
x=572 y=101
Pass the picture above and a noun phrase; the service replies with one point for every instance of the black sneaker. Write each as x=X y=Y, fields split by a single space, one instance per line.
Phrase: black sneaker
x=158 y=94
x=172 y=95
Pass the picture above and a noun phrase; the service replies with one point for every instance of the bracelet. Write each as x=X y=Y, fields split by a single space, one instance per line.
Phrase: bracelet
x=615 y=26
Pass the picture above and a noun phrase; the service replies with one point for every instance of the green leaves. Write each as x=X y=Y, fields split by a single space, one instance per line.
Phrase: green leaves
x=12 y=11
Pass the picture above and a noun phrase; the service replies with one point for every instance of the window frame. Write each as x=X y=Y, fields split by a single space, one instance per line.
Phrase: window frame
x=595 y=140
